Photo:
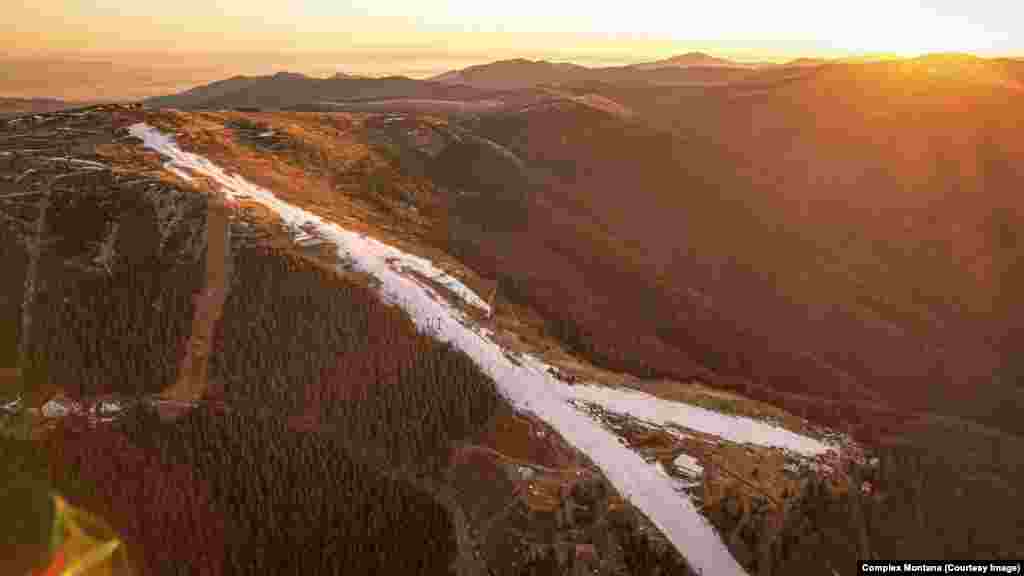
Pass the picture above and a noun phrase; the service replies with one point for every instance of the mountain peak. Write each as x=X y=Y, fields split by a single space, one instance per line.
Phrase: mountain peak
x=693 y=57
x=806 y=62
x=285 y=75
x=687 y=60
x=512 y=74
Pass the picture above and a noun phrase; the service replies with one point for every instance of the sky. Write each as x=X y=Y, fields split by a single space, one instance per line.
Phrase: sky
x=578 y=30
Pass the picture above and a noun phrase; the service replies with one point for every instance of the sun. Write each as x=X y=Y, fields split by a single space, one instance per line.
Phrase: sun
x=911 y=29
x=912 y=44
x=929 y=42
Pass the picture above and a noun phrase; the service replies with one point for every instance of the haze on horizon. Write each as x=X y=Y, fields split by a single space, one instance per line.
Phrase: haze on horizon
x=116 y=50
x=577 y=30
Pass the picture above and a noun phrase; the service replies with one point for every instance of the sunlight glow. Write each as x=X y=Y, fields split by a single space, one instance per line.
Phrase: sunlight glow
x=639 y=29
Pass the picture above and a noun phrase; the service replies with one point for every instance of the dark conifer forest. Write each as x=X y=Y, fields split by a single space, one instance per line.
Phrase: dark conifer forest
x=332 y=400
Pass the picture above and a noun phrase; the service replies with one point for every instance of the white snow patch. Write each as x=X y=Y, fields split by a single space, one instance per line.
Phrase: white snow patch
x=88 y=163
x=660 y=412
x=60 y=408
x=679 y=485
x=54 y=409
x=689 y=465
x=108 y=407
x=12 y=406
x=79 y=161
x=527 y=385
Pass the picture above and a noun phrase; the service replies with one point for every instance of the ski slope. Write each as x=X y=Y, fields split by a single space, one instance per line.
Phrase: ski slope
x=732 y=428
x=526 y=383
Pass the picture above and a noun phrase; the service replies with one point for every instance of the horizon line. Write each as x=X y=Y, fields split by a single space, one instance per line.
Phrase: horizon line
x=406 y=53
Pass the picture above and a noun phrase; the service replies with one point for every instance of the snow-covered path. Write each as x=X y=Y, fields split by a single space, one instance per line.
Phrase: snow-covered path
x=732 y=428
x=526 y=384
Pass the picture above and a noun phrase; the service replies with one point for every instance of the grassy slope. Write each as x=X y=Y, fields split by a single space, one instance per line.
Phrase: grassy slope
x=825 y=218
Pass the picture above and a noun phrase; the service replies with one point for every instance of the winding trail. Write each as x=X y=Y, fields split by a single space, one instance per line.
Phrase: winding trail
x=525 y=381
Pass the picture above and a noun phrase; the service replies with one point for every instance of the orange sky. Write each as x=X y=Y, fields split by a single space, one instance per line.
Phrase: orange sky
x=382 y=35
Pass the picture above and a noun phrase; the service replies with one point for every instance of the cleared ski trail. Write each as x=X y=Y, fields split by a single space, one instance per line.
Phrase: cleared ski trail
x=525 y=382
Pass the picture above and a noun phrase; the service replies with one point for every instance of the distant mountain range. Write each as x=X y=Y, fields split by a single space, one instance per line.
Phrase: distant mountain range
x=514 y=74
x=288 y=89
x=17 y=106
x=692 y=67
x=695 y=59
x=516 y=81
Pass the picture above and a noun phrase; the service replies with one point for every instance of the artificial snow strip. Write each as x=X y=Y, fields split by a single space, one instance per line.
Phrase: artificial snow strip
x=525 y=381
x=661 y=412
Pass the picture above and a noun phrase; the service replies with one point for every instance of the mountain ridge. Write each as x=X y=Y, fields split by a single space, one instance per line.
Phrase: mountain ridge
x=694 y=59
x=697 y=69
x=285 y=89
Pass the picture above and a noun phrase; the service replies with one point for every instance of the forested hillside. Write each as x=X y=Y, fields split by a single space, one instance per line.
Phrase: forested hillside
x=323 y=436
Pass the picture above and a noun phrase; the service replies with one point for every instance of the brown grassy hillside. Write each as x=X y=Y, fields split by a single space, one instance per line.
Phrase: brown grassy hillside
x=848 y=231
